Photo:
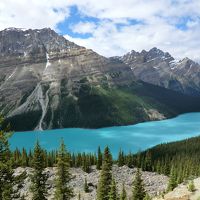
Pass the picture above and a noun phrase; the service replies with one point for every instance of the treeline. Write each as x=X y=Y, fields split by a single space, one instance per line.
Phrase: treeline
x=106 y=188
x=178 y=160
x=84 y=160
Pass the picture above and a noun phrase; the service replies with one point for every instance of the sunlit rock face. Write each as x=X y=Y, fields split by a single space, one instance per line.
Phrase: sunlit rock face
x=41 y=73
x=160 y=68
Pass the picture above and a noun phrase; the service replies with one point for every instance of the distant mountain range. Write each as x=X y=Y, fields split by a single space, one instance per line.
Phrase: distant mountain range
x=160 y=68
x=49 y=82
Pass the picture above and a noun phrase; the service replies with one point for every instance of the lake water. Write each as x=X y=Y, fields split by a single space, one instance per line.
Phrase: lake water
x=129 y=138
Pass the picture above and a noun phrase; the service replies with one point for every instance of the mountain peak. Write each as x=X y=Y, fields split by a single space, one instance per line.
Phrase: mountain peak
x=25 y=29
x=14 y=29
x=155 y=52
x=29 y=44
x=155 y=49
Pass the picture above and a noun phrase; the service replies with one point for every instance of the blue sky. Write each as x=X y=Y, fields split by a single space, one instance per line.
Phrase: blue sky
x=113 y=27
x=65 y=27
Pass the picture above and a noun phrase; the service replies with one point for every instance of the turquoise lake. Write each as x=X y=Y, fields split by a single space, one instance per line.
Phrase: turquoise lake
x=129 y=138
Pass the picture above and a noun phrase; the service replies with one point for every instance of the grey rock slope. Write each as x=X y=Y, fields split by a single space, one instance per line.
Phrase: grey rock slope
x=160 y=68
x=39 y=69
x=154 y=183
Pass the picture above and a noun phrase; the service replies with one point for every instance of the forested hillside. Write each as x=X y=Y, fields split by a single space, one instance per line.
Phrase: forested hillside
x=179 y=160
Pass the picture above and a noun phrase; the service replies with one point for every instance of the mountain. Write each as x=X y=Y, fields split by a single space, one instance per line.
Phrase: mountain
x=160 y=68
x=49 y=82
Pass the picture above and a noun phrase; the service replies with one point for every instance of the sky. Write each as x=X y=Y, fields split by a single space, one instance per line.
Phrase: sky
x=113 y=27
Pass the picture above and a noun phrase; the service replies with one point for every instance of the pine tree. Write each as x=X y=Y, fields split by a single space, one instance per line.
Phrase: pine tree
x=158 y=167
x=63 y=189
x=73 y=160
x=6 y=171
x=16 y=156
x=99 y=159
x=24 y=159
x=180 y=175
x=113 y=191
x=148 y=164
x=138 y=187
x=104 y=183
x=38 y=179
x=86 y=188
x=172 y=180
x=121 y=158
x=129 y=160
x=123 y=195
x=86 y=164
x=30 y=160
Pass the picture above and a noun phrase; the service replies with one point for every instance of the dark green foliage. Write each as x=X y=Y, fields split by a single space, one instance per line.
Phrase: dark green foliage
x=147 y=197
x=7 y=179
x=171 y=101
x=38 y=178
x=104 y=184
x=129 y=160
x=173 y=180
x=86 y=188
x=121 y=158
x=6 y=171
x=123 y=195
x=114 y=107
x=113 y=195
x=138 y=187
x=191 y=186
x=182 y=156
x=26 y=121
x=85 y=163
x=63 y=189
x=22 y=158
x=147 y=166
x=99 y=159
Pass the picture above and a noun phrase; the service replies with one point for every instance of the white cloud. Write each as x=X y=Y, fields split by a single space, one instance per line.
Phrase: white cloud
x=109 y=41
x=32 y=13
x=84 y=27
x=158 y=28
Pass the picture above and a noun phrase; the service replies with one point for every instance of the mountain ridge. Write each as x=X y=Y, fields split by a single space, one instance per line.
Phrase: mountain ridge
x=49 y=82
x=160 y=68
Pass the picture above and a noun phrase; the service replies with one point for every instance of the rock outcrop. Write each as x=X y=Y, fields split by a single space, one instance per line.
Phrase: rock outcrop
x=160 y=68
x=181 y=192
x=154 y=183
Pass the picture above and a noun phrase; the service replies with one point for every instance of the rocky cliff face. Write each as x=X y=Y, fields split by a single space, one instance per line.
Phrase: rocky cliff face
x=160 y=68
x=49 y=82
x=39 y=70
